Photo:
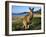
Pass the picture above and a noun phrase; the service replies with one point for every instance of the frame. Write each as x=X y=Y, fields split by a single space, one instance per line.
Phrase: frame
x=12 y=7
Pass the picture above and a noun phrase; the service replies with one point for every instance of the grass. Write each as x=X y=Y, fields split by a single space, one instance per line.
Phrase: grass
x=35 y=25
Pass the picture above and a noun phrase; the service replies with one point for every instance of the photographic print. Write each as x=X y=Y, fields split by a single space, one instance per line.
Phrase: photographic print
x=24 y=18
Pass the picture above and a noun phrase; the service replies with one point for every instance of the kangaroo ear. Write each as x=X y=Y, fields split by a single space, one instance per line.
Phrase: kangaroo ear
x=30 y=8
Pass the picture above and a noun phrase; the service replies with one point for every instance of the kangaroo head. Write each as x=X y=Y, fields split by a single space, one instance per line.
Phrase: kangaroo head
x=31 y=9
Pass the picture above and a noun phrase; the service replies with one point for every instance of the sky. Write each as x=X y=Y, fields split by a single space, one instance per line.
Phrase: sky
x=20 y=9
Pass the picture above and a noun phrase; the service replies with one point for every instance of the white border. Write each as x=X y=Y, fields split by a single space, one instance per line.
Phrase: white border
x=28 y=31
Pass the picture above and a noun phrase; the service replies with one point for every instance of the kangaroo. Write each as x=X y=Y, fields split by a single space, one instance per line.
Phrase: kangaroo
x=28 y=19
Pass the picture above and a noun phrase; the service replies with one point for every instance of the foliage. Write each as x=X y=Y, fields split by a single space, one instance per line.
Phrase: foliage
x=35 y=25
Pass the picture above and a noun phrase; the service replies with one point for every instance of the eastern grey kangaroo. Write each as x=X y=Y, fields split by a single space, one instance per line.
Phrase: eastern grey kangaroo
x=28 y=19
